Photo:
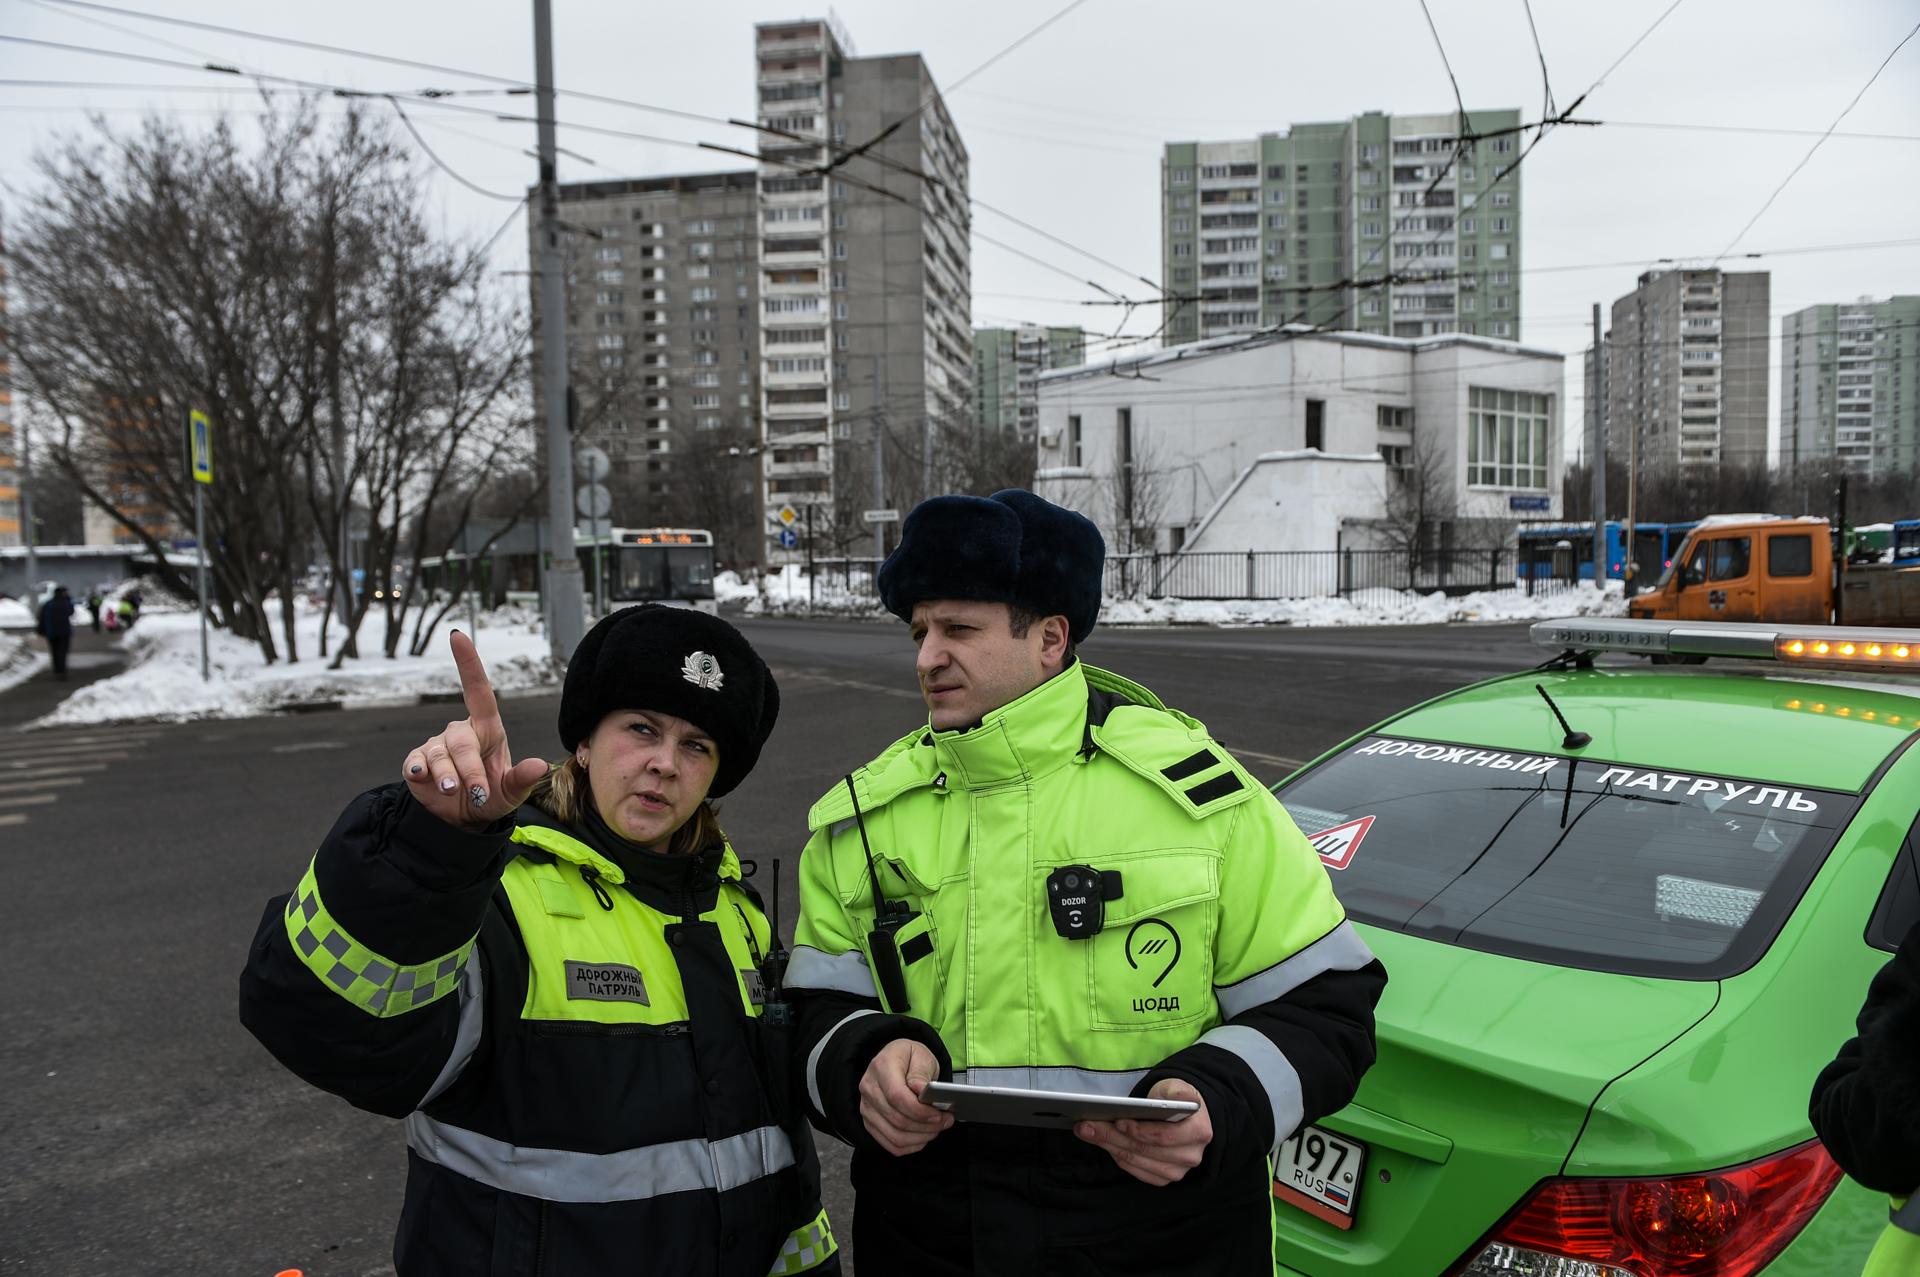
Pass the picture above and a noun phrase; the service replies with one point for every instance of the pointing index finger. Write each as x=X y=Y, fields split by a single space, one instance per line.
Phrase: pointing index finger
x=475 y=690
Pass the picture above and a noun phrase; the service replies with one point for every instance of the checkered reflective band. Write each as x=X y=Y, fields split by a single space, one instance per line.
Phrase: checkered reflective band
x=377 y=985
x=806 y=1248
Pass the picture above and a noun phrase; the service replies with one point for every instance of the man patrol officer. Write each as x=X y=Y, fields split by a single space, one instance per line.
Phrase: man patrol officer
x=1866 y=1106
x=1057 y=882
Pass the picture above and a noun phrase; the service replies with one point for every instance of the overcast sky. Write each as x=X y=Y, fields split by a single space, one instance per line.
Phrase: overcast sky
x=1065 y=131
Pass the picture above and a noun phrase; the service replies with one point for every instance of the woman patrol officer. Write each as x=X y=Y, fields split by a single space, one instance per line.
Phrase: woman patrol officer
x=563 y=999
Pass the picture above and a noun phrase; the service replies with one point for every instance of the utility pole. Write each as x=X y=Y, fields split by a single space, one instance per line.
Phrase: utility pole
x=1597 y=455
x=26 y=516
x=879 y=462
x=565 y=598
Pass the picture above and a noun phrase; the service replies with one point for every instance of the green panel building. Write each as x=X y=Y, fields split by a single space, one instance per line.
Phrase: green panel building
x=1006 y=364
x=1850 y=384
x=1359 y=225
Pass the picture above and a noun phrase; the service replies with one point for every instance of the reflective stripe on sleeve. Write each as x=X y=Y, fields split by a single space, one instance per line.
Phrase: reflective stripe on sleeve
x=635 y=1174
x=810 y=968
x=813 y=1059
x=1341 y=949
x=1275 y=1073
x=379 y=986
x=466 y=1037
x=1055 y=1078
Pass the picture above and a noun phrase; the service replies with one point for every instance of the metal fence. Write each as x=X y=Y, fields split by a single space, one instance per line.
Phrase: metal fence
x=1222 y=575
x=1299 y=574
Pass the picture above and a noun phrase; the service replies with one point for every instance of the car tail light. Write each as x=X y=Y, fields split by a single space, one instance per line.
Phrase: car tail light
x=1726 y=1223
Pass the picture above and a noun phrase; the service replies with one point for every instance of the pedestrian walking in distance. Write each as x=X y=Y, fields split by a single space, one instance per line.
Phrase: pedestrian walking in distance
x=55 y=624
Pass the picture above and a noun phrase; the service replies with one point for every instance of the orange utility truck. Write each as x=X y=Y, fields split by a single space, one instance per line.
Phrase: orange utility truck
x=1774 y=569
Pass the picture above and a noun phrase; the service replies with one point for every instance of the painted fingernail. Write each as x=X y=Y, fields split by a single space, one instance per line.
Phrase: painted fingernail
x=477 y=796
x=446 y=784
x=415 y=770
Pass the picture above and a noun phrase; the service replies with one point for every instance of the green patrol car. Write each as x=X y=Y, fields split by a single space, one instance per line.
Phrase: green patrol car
x=1629 y=911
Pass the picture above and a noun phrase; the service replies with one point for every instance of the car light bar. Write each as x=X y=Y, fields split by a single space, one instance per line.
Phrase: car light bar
x=1824 y=646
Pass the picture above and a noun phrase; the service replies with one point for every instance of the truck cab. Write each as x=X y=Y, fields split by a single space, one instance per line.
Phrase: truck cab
x=1746 y=570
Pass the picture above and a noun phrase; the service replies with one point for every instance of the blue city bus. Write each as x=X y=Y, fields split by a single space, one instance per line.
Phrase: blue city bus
x=1541 y=556
x=1906 y=543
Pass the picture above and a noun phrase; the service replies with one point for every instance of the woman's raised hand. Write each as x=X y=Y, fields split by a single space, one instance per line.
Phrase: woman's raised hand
x=466 y=775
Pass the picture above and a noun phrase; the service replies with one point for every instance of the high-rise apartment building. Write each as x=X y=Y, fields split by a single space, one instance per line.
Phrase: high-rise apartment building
x=1293 y=228
x=663 y=337
x=865 y=277
x=11 y=530
x=1686 y=366
x=1007 y=363
x=1850 y=384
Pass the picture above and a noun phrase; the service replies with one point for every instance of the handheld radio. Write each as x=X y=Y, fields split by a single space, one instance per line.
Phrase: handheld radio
x=888 y=917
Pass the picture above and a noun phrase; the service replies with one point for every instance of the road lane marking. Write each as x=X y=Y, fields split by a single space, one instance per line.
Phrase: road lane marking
x=13 y=819
x=29 y=800
x=299 y=746
x=22 y=771
x=16 y=786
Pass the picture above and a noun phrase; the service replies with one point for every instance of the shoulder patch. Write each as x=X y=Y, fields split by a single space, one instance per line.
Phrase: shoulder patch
x=902 y=766
x=1174 y=752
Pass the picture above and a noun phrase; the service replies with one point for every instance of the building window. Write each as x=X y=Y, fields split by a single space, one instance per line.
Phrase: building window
x=1371 y=306
x=1276 y=221
x=1497 y=252
x=1371 y=151
x=1507 y=438
x=1503 y=199
x=1393 y=417
x=1317 y=424
x=701 y=271
x=701 y=294
x=1503 y=226
x=1073 y=441
x=1372 y=230
x=1183 y=249
x=609 y=277
x=1182 y=225
x=1369 y=203
x=1180 y=176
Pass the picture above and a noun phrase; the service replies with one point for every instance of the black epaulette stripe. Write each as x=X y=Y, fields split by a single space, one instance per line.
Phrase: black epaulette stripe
x=1218 y=787
x=917 y=948
x=1190 y=764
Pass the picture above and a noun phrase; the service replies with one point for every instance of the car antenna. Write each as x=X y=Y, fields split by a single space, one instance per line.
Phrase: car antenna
x=1573 y=739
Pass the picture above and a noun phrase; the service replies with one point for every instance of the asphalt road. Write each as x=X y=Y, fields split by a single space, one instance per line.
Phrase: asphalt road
x=146 y=1132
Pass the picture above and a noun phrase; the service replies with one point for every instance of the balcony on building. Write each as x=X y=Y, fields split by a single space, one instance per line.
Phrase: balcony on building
x=791 y=282
x=785 y=250
x=778 y=68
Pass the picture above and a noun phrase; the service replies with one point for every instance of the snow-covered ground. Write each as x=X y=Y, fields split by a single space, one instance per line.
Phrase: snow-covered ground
x=785 y=594
x=21 y=657
x=162 y=680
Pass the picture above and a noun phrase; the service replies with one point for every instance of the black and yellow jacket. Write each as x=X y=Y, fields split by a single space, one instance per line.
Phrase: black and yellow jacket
x=570 y=1026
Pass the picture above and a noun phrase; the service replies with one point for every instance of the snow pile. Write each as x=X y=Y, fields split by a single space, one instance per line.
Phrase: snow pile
x=1370 y=607
x=162 y=680
x=785 y=593
x=15 y=615
x=729 y=588
x=21 y=657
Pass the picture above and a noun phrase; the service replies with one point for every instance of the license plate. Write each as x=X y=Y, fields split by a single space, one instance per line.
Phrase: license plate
x=1319 y=1172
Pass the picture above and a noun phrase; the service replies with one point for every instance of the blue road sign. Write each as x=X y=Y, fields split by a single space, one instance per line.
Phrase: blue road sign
x=789 y=539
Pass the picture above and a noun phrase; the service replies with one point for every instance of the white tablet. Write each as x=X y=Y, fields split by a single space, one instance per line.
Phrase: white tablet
x=1017 y=1106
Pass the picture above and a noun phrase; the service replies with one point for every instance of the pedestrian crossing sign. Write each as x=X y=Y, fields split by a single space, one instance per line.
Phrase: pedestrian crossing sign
x=200 y=441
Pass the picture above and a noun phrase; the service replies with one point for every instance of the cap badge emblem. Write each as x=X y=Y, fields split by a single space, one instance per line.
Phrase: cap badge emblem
x=702 y=670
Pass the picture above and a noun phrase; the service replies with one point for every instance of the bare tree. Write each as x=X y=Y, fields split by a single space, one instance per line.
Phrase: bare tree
x=292 y=290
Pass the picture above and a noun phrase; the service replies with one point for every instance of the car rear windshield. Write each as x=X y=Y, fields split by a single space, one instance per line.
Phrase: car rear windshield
x=1580 y=862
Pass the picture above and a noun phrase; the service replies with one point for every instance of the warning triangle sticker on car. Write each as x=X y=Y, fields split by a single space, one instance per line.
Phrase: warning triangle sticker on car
x=1337 y=845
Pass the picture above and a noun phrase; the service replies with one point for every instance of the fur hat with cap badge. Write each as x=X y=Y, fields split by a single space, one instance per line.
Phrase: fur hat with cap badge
x=676 y=661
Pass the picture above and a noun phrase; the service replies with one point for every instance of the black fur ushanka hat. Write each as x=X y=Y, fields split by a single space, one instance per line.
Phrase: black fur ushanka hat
x=674 y=660
x=1012 y=547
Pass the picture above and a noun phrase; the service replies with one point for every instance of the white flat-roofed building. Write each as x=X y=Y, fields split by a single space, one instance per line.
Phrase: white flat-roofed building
x=1298 y=439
